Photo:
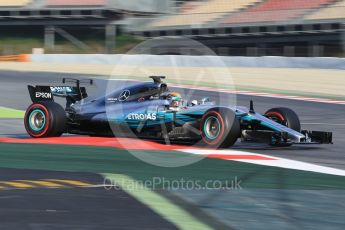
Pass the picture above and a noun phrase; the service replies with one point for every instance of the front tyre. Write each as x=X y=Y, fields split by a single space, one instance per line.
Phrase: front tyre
x=219 y=128
x=286 y=117
x=45 y=119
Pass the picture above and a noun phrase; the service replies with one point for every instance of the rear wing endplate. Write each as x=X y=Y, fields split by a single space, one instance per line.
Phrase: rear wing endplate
x=72 y=94
x=46 y=93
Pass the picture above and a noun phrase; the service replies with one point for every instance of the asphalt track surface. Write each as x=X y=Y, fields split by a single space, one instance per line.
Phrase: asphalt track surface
x=71 y=208
x=128 y=212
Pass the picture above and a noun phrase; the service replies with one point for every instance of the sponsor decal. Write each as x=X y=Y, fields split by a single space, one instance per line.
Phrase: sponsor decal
x=111 y=99
x=61 y=89
x=43 y=95
x=142 y=117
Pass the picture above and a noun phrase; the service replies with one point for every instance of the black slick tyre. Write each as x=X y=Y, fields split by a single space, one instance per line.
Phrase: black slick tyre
x=219 y=128
x=45 y=119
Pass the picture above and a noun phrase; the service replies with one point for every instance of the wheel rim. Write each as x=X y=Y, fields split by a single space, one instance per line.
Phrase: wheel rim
x=37 y=120
x=212 y=128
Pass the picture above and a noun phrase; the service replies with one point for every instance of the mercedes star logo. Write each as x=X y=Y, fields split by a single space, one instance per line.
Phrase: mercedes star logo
x=124 y=95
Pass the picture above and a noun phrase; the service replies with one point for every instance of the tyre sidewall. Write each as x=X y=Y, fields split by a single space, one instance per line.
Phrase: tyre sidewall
x=55 y=119
x=46 y=129
x=290 y=117
x=229 y=131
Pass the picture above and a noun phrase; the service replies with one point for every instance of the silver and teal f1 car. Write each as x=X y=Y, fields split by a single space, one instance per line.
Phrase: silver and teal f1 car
x=149 y=110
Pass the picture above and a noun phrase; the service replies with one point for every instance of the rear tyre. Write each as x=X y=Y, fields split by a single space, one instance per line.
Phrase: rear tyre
x=286 y=117
x=45 y=119
x=219 y=128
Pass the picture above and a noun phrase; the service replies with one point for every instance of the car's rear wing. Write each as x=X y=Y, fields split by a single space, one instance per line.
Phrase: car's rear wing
x=71 y=93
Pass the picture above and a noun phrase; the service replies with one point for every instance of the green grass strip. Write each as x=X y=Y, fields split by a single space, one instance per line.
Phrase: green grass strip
x=11 y=113
x=169 y=211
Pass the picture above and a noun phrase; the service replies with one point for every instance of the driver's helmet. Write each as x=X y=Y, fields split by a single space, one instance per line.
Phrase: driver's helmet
x=175 y=99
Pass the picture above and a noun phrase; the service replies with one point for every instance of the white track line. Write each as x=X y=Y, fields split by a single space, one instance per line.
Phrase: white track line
x=298 y=165
x=323 y=124
x=276 y=162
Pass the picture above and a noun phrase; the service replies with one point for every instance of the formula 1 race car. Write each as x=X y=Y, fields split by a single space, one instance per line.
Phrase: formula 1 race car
x=149 y=110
